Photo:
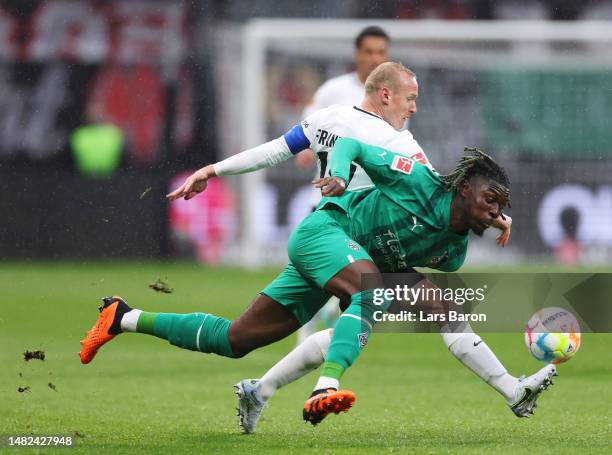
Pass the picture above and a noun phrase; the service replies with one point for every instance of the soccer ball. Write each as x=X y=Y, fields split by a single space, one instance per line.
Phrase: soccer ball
x=552 y=335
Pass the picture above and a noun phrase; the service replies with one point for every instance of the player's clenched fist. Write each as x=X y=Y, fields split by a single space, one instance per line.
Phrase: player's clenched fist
x=194 y=184
x=330 y=186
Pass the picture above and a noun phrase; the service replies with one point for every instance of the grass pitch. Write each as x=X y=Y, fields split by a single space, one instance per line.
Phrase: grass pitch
x=142 y=395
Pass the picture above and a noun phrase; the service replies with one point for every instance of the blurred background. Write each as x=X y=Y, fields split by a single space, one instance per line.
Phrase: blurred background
x=107 y=105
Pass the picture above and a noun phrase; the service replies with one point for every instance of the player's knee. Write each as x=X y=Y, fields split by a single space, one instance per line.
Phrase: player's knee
x=240 y=345
x=321 y=340
x=239 y=351
x=364 y=306
x=238 y=354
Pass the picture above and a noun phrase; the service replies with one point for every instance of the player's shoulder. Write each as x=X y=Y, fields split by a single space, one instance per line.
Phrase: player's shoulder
x=402 y=141
x=343 y=79
x=375 y=130
x=402 y=135
x=416 y=165
x=334 y=113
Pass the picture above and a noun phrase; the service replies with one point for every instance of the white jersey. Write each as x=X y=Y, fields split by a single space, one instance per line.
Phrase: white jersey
x=346 y=90
x=320 y=130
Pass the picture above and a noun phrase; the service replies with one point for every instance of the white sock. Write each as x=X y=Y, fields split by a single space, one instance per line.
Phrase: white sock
x=325 y=382
x=307 y=330
x=130 y=320
x=302 y=360
x=474 y=353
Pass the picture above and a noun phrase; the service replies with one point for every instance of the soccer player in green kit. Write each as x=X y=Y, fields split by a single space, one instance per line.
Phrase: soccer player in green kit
x=414 y=217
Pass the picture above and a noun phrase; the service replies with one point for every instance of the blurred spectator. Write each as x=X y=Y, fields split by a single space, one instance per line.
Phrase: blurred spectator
x=97 y=149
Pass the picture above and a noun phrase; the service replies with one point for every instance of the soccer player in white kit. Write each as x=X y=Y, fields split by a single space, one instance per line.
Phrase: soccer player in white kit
x=390 y=99
x=371 y=49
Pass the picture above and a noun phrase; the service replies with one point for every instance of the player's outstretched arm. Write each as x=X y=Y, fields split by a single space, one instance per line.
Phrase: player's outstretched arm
x=265 y=155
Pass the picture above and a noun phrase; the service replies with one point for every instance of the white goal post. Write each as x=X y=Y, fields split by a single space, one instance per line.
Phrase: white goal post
x=446 y=44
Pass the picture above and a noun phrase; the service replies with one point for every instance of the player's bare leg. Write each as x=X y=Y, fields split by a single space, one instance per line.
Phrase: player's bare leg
x=264 y=321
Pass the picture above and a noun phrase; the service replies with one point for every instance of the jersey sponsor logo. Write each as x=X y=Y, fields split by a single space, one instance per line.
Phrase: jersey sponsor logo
x=363 y=339
x=402 y=164
x=390 y=246
x=305 y=124
x=325 y=138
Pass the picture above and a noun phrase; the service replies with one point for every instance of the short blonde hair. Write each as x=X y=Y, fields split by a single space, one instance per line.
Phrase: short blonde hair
x=386 y=74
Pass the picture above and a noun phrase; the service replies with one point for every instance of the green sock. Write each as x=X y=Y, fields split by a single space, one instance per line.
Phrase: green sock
x=332 y=370
x=351 y=334
x=194 y=331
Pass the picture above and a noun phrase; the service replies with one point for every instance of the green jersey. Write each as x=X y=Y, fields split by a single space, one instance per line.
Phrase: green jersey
x=405 y=220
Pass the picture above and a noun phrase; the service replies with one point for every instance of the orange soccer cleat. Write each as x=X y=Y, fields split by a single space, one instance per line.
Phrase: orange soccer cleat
x=323 y=402
x=105 y=329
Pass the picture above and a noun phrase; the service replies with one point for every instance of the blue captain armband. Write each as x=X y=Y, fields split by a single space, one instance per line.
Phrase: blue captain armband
x=296 y=139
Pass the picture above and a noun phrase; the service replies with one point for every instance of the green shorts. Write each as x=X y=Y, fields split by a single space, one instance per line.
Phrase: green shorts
x=318 y=249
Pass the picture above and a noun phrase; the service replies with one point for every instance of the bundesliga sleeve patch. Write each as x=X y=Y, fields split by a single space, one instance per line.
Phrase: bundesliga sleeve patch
x=402 y=164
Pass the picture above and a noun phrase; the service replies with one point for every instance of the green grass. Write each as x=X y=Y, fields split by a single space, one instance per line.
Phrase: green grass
x=142 y=395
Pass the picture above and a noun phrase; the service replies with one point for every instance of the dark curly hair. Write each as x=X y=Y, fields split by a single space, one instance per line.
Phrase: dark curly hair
x=477 y=162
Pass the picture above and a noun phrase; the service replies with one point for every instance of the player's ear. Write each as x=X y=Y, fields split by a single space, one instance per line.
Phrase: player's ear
x=385 y=95
x=465 y=188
